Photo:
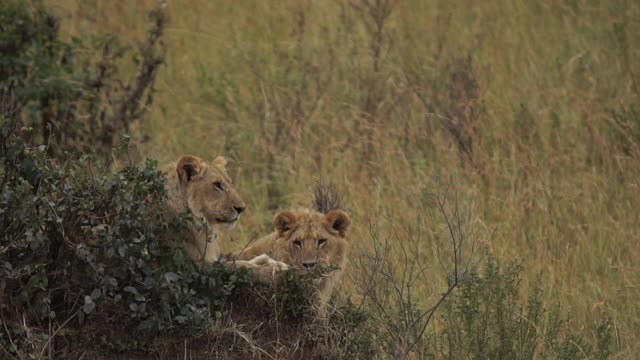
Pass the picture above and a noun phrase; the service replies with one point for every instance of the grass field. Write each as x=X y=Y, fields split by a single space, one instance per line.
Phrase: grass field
x=531 y=109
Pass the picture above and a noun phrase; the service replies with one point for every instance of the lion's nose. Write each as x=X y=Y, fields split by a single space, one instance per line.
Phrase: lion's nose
x=309 y=265
x=239 y=209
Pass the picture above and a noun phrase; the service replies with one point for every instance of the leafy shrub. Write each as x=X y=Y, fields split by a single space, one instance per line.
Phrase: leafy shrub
x=75 y=244
x=28 y=34
x=76 y=93
x=475 y=314
x=488 y=319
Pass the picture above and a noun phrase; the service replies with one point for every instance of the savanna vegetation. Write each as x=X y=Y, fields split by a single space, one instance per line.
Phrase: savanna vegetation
x=488 y=154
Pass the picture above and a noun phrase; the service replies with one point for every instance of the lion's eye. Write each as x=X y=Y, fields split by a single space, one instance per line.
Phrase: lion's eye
x=297 y=243
x=219 y=185
x=321 y=242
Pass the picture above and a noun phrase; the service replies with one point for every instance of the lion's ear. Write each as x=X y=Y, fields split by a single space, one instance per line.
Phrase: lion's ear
x=190 y=168
x=338 y=220
x=284 y=221
x=220 y=161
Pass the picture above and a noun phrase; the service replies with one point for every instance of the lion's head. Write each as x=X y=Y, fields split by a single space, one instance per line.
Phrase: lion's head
x=207 y=190
x=306 y=238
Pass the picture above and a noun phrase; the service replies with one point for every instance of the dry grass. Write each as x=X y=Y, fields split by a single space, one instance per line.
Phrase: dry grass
x=527 y=105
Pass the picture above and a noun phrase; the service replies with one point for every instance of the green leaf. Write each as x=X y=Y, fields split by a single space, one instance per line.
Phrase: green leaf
x=96 y=293
x=89 y=305
x=171 y=276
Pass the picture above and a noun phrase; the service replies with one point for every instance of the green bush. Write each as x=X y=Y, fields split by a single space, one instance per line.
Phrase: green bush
x=488 y=319
x=93 y=246
x=481 y=310
x=81 y=95
x=27 y=41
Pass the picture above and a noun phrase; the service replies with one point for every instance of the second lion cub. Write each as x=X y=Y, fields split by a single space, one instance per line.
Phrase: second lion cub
x=305 y=238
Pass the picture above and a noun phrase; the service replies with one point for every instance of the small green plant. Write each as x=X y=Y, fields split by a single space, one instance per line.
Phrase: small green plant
x=488 y=319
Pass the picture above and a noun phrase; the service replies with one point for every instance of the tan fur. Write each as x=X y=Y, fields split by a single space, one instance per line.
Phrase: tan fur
x=206 y=190
x=298 y=241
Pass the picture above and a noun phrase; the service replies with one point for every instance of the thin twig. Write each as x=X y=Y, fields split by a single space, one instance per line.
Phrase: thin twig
x=46 y=344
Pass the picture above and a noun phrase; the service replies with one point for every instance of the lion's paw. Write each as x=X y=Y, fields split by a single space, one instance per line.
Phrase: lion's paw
x=267 y=262
x=267 y=269
x=278 y=265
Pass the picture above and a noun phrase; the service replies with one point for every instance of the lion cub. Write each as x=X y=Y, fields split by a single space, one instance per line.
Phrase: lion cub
x=305 y=238
x=206 y=190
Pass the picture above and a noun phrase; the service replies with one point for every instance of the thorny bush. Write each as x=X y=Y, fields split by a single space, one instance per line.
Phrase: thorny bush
x=83 y=248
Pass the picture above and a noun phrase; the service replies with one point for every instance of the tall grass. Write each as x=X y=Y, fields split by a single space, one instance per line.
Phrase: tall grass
x=531 y=107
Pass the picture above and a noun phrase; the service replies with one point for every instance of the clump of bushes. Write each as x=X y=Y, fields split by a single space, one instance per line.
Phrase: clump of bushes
x=81 y=95
x=489 y=319
x=481 y=310
x=85 y=248
x=489 y=315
